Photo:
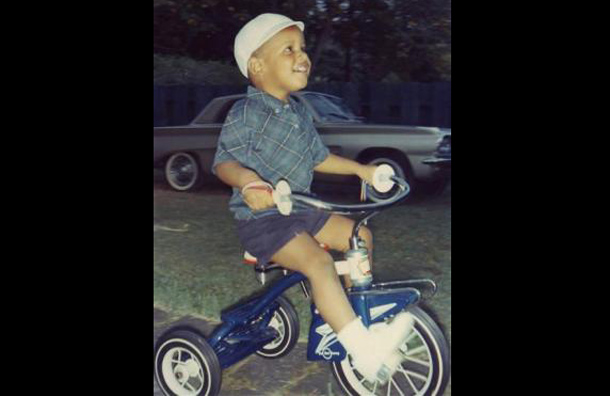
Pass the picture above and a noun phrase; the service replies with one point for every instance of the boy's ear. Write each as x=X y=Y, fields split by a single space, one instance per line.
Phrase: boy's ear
x=255 y=66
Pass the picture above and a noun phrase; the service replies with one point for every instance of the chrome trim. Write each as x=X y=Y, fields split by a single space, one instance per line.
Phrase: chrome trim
x=400 y=283
x=436 y=161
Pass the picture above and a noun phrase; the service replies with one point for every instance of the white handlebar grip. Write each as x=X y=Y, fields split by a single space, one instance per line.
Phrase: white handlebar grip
x=382 y=181
x=281 y=197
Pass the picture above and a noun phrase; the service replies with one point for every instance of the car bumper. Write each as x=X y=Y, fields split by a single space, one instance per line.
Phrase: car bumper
x=439 y=162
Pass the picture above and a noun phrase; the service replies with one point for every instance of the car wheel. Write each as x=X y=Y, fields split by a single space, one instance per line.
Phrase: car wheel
x=400 y=169
x=182 y=172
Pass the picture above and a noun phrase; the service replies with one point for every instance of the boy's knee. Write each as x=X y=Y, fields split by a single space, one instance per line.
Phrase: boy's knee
x=321 y=262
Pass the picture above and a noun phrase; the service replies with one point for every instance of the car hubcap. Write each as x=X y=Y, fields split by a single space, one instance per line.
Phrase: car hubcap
x=182 y=171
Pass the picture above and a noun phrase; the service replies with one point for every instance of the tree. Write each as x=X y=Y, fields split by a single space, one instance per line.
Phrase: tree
x=348 y=40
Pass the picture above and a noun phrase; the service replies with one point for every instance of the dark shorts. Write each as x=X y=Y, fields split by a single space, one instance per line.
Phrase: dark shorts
x=263 y=237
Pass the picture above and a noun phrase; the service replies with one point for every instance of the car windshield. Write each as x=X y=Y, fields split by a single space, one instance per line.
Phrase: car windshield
x=332 y=108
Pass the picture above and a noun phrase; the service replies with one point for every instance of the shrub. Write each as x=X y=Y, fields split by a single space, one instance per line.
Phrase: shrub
x=175 y=70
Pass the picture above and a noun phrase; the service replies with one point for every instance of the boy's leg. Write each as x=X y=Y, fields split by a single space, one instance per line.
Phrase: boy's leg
x=303 y=254
x=371 y=352
x=336 y=234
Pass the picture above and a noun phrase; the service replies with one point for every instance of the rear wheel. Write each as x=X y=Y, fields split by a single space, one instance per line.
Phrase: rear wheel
x=186 y=365
x=286 y=322
x=425 y=370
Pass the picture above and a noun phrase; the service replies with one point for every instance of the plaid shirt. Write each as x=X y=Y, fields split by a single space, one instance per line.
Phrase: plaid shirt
x=275 y=139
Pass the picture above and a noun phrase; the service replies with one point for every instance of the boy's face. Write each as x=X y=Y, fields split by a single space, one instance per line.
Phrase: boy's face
x=284 y=65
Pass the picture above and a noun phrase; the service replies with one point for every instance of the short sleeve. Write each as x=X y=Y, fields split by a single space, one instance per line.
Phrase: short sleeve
x=232 y=143
x=319 y=151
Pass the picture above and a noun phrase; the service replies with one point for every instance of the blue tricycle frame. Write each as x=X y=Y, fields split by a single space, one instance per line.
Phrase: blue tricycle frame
x=237 y=338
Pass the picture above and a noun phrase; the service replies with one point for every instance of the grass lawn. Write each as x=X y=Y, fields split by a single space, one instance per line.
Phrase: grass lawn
x=198 y=266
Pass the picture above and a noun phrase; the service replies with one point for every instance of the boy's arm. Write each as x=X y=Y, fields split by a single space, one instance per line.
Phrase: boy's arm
x=342 y=166
x=235 y=175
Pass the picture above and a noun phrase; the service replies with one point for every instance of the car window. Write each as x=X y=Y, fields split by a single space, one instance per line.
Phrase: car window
x=224 y=110
x=331 y=108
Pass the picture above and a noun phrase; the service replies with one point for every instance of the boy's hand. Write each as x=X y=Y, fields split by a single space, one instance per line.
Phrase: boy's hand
x=258 y=199
x=365 y=172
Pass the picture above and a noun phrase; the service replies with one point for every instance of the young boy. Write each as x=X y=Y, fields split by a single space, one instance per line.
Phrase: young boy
x=269 y=136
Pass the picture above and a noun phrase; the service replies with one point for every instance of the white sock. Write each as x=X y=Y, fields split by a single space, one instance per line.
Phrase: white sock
x=358 y=342
x=370 y=351
x=355 y=338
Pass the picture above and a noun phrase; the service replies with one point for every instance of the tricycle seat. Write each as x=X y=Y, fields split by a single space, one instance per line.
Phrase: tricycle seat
x=259 y=267
x=270 y=265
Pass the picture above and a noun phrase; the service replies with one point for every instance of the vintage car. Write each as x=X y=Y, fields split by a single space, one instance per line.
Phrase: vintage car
x=421 y=155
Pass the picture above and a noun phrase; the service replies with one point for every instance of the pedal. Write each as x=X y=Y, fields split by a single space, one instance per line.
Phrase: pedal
x=389 y=367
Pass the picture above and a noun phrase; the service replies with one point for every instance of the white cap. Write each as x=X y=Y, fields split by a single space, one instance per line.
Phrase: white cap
x=255 y=33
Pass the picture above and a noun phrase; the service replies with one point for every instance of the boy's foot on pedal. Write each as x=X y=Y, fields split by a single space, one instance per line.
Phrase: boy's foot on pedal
x=384 y=355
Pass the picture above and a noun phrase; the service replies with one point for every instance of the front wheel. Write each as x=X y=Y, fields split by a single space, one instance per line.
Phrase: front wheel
x=425 y=371
x=186 y=365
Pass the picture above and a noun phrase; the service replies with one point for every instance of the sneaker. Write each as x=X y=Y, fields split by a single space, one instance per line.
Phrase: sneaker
x=385 y=355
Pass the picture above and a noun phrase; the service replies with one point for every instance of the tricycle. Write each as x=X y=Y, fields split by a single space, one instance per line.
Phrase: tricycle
x=189 y=363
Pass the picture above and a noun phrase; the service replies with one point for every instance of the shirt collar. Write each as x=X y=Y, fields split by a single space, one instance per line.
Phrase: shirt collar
x=270 y=101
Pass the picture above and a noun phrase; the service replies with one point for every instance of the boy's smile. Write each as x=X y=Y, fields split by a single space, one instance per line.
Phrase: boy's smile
x=285 y=66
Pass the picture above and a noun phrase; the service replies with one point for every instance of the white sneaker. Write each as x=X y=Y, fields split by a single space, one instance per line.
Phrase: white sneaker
x=384 y=356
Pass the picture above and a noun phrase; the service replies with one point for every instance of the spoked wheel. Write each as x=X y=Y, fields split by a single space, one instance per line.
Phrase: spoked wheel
x=286 y=322
x=425 y=371
x=186 y=365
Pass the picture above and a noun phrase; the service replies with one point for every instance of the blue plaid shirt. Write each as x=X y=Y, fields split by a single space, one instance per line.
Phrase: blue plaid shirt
x=277 y=140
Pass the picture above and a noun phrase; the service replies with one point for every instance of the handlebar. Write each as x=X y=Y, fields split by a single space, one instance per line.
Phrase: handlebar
x=354 y=208
x=384 y=180
x=284 y=198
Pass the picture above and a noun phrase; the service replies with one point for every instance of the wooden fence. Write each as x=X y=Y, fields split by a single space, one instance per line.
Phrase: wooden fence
x=423 y=104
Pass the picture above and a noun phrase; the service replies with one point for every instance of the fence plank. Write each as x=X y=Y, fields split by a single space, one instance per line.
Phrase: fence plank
x=410 y=103
x=159 y=100
x=424 y=104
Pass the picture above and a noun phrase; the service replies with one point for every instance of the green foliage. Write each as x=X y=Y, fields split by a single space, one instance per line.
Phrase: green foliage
x=170 y=70
x=348 y=40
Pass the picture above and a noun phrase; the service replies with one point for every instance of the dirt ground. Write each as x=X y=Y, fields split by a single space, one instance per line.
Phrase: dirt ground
x=194 y=241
